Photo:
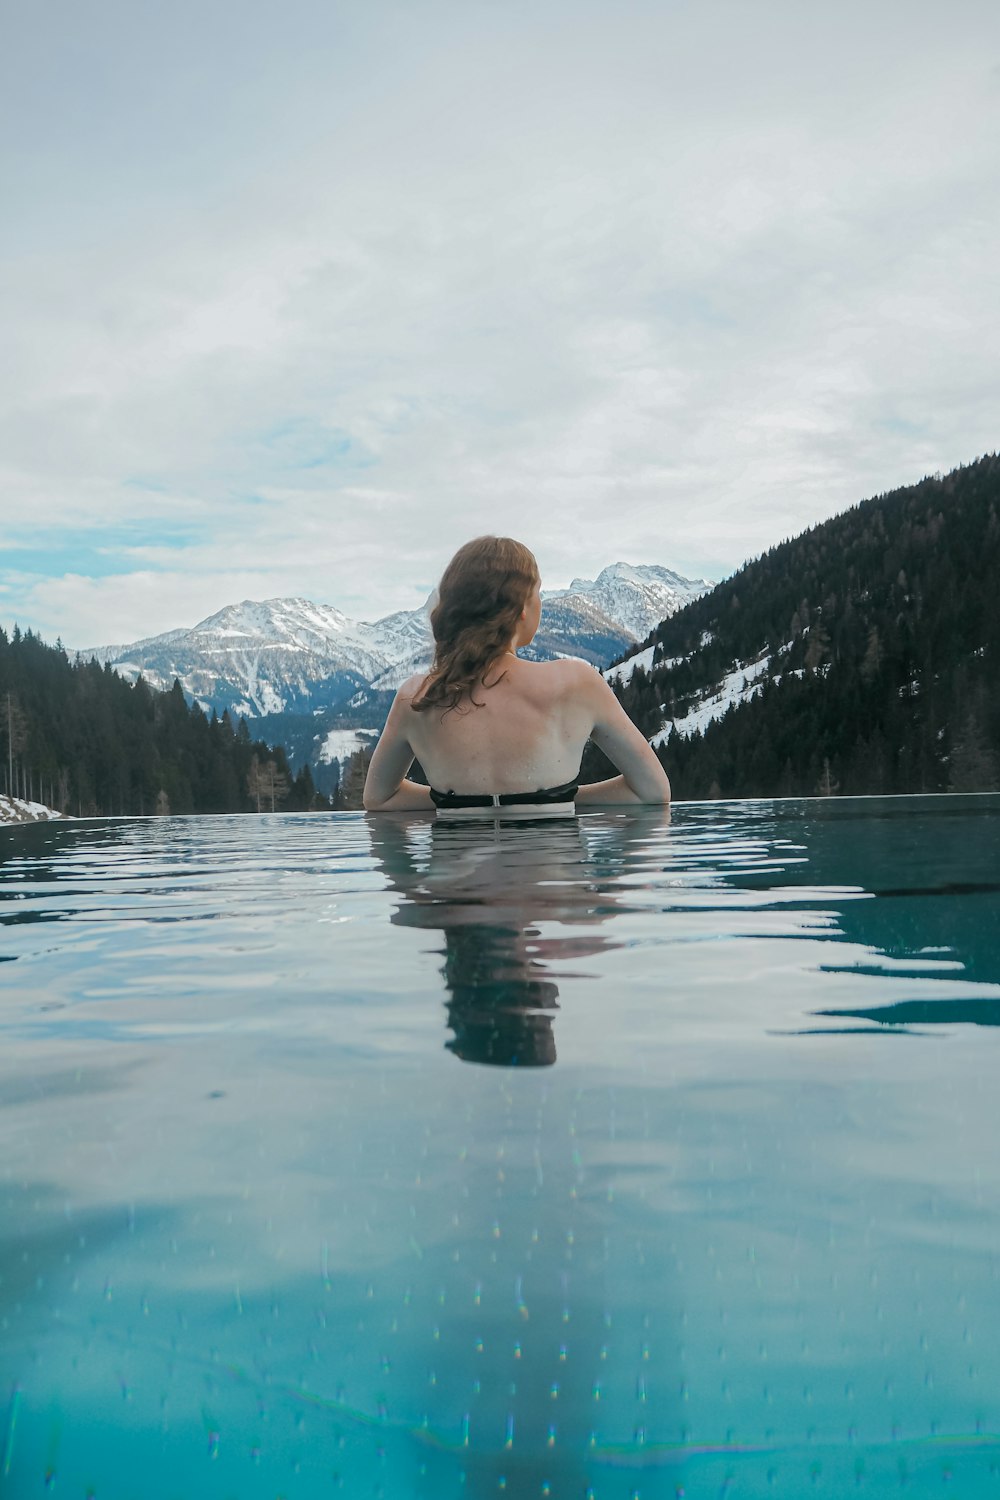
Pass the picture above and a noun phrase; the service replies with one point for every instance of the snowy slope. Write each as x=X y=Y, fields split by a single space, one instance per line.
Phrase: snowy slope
x=622 y=673
x=743 y=683
x=341 y=744
x=17 y=810
x=738 y=686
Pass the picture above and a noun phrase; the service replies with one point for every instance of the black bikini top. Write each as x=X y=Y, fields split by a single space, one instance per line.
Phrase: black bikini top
x=506 y=799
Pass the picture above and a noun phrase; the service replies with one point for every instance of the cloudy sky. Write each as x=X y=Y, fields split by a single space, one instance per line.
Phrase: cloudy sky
x=296 y=299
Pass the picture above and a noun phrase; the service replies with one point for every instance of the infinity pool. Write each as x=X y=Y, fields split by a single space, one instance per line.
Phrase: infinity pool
x=614 y=1158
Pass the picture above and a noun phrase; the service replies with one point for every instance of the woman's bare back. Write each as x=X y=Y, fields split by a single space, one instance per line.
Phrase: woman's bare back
x=527 y=729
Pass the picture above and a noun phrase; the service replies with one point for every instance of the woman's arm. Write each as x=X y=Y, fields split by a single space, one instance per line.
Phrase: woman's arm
x=643 y=779
x=386 y=786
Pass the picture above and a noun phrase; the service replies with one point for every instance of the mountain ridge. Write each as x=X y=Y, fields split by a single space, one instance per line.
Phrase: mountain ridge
x=289 y=654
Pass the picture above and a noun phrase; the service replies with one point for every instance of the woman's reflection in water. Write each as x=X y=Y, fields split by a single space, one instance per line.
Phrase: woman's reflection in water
x=488 y=885
x=499 y=1010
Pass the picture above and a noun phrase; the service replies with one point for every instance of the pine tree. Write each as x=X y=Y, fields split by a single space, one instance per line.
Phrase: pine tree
x=16 y=726
x=352 y=783
x=256 y=781
x=973 y=765
x=872 y=661
x=275 y=784
x=827 y=785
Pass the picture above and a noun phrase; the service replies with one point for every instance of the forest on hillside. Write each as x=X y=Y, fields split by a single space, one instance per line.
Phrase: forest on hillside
x=81 y=739
x=879 y=637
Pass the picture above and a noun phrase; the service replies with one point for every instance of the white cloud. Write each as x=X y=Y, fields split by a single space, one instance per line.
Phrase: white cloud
x=310 y=303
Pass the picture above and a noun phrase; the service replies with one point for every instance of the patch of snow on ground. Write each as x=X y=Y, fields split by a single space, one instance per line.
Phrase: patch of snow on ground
x=341 y=744
x=737 y=687
x=128 y=668
x=270 y=701
x=17 y=810
x=622 y=673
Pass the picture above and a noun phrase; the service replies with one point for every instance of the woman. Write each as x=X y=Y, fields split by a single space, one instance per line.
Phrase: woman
x=493 y=731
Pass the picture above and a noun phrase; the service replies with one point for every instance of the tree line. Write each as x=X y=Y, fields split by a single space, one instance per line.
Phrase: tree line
x=82 y=740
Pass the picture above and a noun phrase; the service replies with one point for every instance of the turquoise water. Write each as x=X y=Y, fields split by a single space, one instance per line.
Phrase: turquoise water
x=615 y=1158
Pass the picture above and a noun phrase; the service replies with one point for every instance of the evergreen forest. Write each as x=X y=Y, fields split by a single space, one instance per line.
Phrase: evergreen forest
x=877 y=639
x=82 y=740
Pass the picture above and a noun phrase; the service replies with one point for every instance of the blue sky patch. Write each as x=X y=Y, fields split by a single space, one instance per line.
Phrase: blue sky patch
x=100 y=553
x=299 y=443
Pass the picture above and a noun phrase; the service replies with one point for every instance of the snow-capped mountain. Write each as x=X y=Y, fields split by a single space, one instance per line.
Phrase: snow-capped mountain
x=281 y=656
x=637 y=597
x=258 y=657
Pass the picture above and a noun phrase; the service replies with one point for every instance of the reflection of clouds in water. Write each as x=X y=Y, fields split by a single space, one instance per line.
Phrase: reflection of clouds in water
x=492 y=889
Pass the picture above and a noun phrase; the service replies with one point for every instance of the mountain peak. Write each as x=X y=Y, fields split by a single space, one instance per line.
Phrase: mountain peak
x=648 y=573
x=265 y=617
x=637 y=595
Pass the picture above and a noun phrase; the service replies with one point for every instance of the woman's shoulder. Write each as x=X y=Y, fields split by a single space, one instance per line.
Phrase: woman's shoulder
x=408 y=690
x=571 y=670
x=566 y=677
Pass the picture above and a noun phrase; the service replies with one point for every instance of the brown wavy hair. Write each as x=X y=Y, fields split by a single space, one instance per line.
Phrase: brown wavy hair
x=480 y=598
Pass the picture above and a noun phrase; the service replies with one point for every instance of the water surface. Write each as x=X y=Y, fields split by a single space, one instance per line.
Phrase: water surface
x=614 y=1157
